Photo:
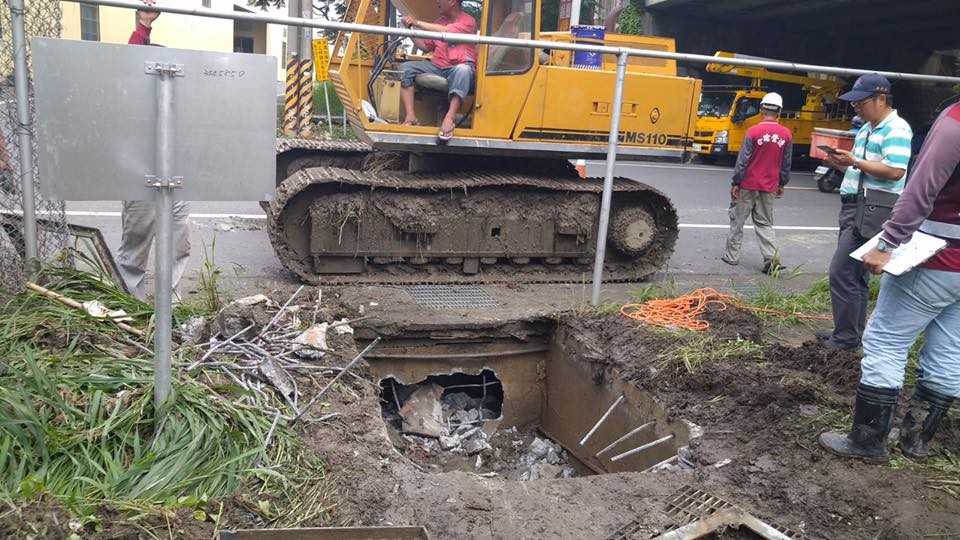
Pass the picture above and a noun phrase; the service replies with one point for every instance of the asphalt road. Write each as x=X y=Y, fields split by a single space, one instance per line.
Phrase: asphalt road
x=805 y=219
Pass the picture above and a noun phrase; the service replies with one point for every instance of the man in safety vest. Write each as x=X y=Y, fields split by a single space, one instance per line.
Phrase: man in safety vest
x=762 y=170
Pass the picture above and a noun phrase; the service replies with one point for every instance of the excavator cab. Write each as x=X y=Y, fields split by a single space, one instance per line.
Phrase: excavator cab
x=525 y=101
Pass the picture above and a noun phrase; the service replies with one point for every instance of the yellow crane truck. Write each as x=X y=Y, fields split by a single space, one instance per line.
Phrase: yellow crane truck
x=500 y=201
x=726 y=112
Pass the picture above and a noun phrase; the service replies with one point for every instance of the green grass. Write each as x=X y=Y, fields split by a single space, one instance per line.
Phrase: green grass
x=78 y=424
x=694 y=350
x=655 y=291
x=942 y=469
x=320 y=105
x=813 y=301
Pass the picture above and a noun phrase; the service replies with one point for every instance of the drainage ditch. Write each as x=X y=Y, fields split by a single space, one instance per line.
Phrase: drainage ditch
x=518 y=409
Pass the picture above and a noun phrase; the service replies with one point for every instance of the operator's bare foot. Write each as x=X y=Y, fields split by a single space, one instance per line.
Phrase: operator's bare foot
x=411 y=122
x=446 y=130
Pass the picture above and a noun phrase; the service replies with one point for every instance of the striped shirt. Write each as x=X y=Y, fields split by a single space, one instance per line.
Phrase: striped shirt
x=888 y=143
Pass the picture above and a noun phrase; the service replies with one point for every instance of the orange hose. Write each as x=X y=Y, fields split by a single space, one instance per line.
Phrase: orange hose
x=685 y=311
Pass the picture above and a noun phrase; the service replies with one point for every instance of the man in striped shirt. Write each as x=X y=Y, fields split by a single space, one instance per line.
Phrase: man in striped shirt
x=879 y=160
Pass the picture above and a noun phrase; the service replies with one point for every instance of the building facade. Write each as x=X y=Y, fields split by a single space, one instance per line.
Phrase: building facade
x=114 y=25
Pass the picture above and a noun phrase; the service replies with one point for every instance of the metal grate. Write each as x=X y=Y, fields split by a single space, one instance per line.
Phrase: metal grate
x=450 y=296
x=690 y=504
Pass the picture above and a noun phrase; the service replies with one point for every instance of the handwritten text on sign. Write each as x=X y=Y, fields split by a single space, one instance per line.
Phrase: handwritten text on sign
x=321 y=60
x=224 y=73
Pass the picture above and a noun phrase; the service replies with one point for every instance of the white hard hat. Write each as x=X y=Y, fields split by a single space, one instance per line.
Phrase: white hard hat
x=772 y=101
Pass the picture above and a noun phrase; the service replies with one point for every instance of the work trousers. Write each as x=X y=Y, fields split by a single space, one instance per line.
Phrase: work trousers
x=849 y=283
x=758 y=205
x=459 y=78
x=922 y=300
x=138 y=219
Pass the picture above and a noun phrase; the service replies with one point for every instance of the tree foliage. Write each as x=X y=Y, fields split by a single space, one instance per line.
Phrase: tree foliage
x=631 y=19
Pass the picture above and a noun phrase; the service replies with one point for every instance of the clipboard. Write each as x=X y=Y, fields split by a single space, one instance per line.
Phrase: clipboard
x=908 y=256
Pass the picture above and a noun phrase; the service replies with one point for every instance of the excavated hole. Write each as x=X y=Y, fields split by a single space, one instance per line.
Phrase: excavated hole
x=519 y=410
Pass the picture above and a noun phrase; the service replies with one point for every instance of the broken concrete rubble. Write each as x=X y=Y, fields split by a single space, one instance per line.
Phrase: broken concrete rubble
x=236 y=316
x=194 y=330
x=422 y=413
x=313 y=342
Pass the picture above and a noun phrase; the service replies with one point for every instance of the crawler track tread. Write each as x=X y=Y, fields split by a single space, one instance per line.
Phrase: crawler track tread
x=617 y=268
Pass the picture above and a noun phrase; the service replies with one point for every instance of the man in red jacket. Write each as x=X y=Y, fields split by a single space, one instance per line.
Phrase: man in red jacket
x=141 y=34
x=763 y=168
x=924 y=300
x=137 y=217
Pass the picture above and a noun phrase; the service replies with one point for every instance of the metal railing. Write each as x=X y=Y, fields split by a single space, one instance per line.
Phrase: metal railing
x=622 y=53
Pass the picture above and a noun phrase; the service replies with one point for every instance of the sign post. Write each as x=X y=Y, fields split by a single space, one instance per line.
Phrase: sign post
x=321 y=67
x=164 y=183
x=210 y=136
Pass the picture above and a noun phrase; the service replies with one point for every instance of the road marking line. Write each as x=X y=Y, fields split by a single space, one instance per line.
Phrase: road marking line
x=684 y=167
x=777 y=227
x=86 y=213
x=802 y=188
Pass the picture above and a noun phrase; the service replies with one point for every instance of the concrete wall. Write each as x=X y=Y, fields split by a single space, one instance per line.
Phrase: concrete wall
x=180 y=31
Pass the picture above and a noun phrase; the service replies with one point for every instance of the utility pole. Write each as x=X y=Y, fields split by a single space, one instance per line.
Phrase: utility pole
x=293 y=32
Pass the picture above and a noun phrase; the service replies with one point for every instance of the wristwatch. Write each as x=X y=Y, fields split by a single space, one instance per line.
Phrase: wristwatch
x=883 y=246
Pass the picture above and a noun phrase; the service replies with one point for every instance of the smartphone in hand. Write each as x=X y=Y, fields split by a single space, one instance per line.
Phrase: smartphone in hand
x=828 y=149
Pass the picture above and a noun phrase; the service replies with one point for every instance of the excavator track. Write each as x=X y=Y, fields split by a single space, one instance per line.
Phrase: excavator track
x=335 y=225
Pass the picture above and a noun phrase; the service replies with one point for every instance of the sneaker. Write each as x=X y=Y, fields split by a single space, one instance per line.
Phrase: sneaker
x=773 y=268
x=728 y=261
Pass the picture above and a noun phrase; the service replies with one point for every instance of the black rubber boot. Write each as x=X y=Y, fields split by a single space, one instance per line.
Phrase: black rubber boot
x=927 y=407
x=872 y=419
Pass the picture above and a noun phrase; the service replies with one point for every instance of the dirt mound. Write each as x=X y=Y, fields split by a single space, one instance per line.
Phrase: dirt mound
x=734 y=322
x=761 y=418
x=839 y=368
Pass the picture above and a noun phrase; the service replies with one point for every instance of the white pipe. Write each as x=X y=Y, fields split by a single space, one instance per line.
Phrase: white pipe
x=638 y=449
x=600 y=421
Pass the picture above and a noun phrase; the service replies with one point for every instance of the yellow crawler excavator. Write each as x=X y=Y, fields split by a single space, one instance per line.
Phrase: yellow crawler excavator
x=500 y=201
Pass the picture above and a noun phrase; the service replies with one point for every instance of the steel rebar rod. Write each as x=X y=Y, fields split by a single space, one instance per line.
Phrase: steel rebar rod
x=279 y=313
x=337 y=378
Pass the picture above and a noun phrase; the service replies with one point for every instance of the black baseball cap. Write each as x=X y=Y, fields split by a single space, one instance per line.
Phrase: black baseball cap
x=867 y=85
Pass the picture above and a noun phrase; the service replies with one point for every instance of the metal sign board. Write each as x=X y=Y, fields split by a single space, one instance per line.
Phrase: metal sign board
x=321 y=60
x=97 y=122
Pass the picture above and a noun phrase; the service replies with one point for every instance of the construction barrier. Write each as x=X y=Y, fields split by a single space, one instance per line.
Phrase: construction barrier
x=291 y=119
x=305 y=97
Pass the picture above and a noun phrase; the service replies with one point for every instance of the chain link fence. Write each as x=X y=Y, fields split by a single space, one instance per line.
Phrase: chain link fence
x=43 y=18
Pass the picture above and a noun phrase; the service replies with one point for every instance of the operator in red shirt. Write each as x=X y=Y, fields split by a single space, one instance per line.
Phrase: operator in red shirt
x=763 y=168
x=453 y=61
